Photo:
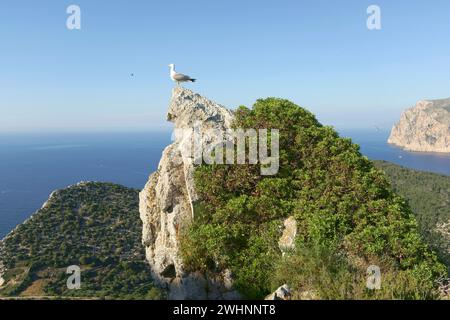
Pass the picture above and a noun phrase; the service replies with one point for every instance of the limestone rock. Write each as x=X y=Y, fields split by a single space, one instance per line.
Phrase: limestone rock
x=287 y=240
x=424 y=128
x=166 y=201
x=282 y=293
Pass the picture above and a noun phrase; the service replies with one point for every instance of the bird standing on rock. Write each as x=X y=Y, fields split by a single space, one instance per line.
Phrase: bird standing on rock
x=179 y=77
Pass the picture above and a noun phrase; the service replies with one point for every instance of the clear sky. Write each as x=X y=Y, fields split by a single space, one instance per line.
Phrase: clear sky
x=318 y=53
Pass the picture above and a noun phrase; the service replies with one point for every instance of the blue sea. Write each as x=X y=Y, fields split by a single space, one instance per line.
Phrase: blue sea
x=32 y=166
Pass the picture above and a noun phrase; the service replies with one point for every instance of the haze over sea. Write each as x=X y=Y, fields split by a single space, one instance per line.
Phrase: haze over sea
x=34 y=165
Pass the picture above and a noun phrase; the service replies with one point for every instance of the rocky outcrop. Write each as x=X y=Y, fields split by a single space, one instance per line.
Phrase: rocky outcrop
x=286 y=293
x=282 y=293
x=287 y=239
x=166 y=202
x=424 y=128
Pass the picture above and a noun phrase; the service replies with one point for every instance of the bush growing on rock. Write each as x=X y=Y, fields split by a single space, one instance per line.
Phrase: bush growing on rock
x=347 y=215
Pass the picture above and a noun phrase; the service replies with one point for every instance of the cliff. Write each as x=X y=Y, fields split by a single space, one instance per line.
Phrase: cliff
x=424 y=128
x=166 y=200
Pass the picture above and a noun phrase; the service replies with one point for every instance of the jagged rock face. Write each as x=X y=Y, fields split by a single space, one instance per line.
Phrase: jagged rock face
x=167 y=198
x=424 y=128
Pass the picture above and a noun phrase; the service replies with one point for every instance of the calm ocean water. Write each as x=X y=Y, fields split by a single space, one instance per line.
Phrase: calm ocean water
x=32 y=166
x=373 y=144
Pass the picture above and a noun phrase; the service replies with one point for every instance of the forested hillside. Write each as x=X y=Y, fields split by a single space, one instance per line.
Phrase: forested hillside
x=428 y=194
x=93 y=225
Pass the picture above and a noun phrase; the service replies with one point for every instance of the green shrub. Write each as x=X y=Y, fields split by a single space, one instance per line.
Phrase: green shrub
x=343 y=205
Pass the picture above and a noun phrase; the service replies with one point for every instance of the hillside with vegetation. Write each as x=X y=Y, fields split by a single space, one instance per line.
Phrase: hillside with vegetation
x=428 y=195
x=93 y=225
x=350 y=213
x=348 y=218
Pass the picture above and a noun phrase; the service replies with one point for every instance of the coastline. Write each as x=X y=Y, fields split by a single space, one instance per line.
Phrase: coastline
x=423 y=151
x=2 y=267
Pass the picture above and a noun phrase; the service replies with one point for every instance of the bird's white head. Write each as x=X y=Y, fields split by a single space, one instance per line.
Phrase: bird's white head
x=171 y=66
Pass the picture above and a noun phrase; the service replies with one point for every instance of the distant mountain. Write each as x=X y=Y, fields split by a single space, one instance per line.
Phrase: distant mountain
x=424 y=128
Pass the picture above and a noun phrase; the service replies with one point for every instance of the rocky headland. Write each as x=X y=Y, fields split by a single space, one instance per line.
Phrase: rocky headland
x=424 y=127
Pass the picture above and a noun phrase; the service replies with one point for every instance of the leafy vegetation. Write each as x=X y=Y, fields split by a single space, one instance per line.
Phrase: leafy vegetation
x=348 y=218
x=428 y=194
x=93 y=225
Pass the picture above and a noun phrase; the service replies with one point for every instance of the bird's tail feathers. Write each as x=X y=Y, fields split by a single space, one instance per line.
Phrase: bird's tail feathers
x=192 y=80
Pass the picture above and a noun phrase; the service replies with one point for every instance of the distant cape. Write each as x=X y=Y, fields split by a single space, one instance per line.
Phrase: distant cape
x=424 y=127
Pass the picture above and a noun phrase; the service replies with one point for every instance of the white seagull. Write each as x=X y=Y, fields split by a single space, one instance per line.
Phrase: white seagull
x=179 y=77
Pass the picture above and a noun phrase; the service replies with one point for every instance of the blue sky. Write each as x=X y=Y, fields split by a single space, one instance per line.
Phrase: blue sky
x=318 y=53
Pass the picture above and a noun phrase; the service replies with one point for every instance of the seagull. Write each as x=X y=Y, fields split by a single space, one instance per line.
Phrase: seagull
x=178 y=77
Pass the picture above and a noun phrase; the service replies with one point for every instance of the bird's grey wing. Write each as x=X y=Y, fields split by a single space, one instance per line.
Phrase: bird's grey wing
x=181 y=77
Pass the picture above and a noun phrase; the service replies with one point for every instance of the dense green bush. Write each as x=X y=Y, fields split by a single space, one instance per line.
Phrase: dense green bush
x=343 y=205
